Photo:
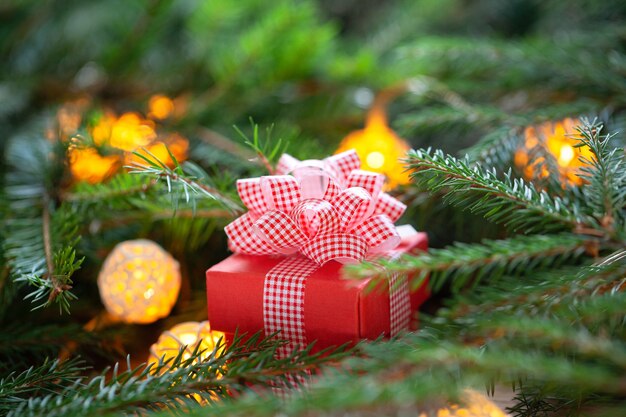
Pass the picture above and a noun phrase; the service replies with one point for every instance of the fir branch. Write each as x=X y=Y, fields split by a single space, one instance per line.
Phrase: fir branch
x=512 y=202
x=606 y=173
x=472 y=263
x=186 y=177
x=407 y=374
x=40 y=236
x=180 y=383
x=47 y=246
x=552 y=292
x=47 y=378
x=266 y=151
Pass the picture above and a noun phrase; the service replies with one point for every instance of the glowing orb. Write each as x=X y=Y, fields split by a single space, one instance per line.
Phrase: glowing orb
x=139 y=282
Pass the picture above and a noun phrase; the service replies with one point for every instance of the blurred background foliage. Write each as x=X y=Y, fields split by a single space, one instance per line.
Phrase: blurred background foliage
x=464 y=71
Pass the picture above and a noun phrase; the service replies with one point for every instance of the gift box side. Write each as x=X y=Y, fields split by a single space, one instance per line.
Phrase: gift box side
x=235 y=292
x=374 y=311
x=419 y=296
x=331 y=308
x=335 y=310
x=235 y=299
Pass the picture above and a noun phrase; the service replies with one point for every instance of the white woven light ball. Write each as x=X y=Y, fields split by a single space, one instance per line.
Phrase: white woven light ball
x=139 y=282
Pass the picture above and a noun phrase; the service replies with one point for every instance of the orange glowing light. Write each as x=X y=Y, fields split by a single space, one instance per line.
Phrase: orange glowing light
x=86 y=164
x=475 y=405
x=139 y=282
x=177 y=145
x=121 y=136
x=557 y=138
x=130 y=132
x=160 y=107
x=378 y=147
x=101 y=132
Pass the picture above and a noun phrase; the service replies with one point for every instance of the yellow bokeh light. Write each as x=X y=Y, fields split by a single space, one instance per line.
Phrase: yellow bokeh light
x=130 y=132
x=557 y=138
x=139 y=282
x=566 y=155
x=189 y=334
x=375 y=160
x=475 y=405
x=379 y=148
x=160 y=107
x=121 y=137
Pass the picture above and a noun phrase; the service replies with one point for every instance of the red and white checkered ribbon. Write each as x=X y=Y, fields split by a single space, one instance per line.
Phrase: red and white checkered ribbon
x=315 y=211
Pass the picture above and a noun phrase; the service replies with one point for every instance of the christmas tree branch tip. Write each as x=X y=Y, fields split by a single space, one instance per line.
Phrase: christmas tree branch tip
x=188 y=184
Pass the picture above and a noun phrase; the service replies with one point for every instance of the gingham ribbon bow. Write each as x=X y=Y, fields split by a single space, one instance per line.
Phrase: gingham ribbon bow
x=325 y=210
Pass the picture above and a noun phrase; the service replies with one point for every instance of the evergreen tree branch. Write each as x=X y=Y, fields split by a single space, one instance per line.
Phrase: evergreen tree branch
x=120 y=186
x=40 y=237
x=543 y=292
x=605 y=192
x=490 y=260
x=512 y=202
x=189 y=183
x=179 y=383
x=47 y=378
x=391 y=376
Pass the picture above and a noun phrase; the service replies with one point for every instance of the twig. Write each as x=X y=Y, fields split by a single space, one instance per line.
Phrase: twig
x=266 y=163
x=47 y=245
x=221 y=142
x=57 y=287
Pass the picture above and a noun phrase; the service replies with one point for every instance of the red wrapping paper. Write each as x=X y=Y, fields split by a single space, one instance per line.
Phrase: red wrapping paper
x=336 y=310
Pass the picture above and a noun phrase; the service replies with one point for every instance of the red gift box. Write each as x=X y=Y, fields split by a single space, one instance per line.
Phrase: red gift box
x=335 y=310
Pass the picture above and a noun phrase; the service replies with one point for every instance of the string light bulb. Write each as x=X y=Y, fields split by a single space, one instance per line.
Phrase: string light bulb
x=139 y=282
x=160 y=107
x=559 y=140
x=379 y=147
x=115 y=138
x=475 y=404
x=189 y=335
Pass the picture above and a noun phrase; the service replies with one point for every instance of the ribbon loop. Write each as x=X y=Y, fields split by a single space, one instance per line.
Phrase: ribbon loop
x=315 y=217
x=281 y=192
x=389 y=206
x=241 y=237
x=280 y=231
x=344 y=163
x=249 y=190
x=351 y=205
x=286 y=164
x=331 y=191
x=314 y=181
x=379 y=233
x=339 y=247
x=371 y=181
